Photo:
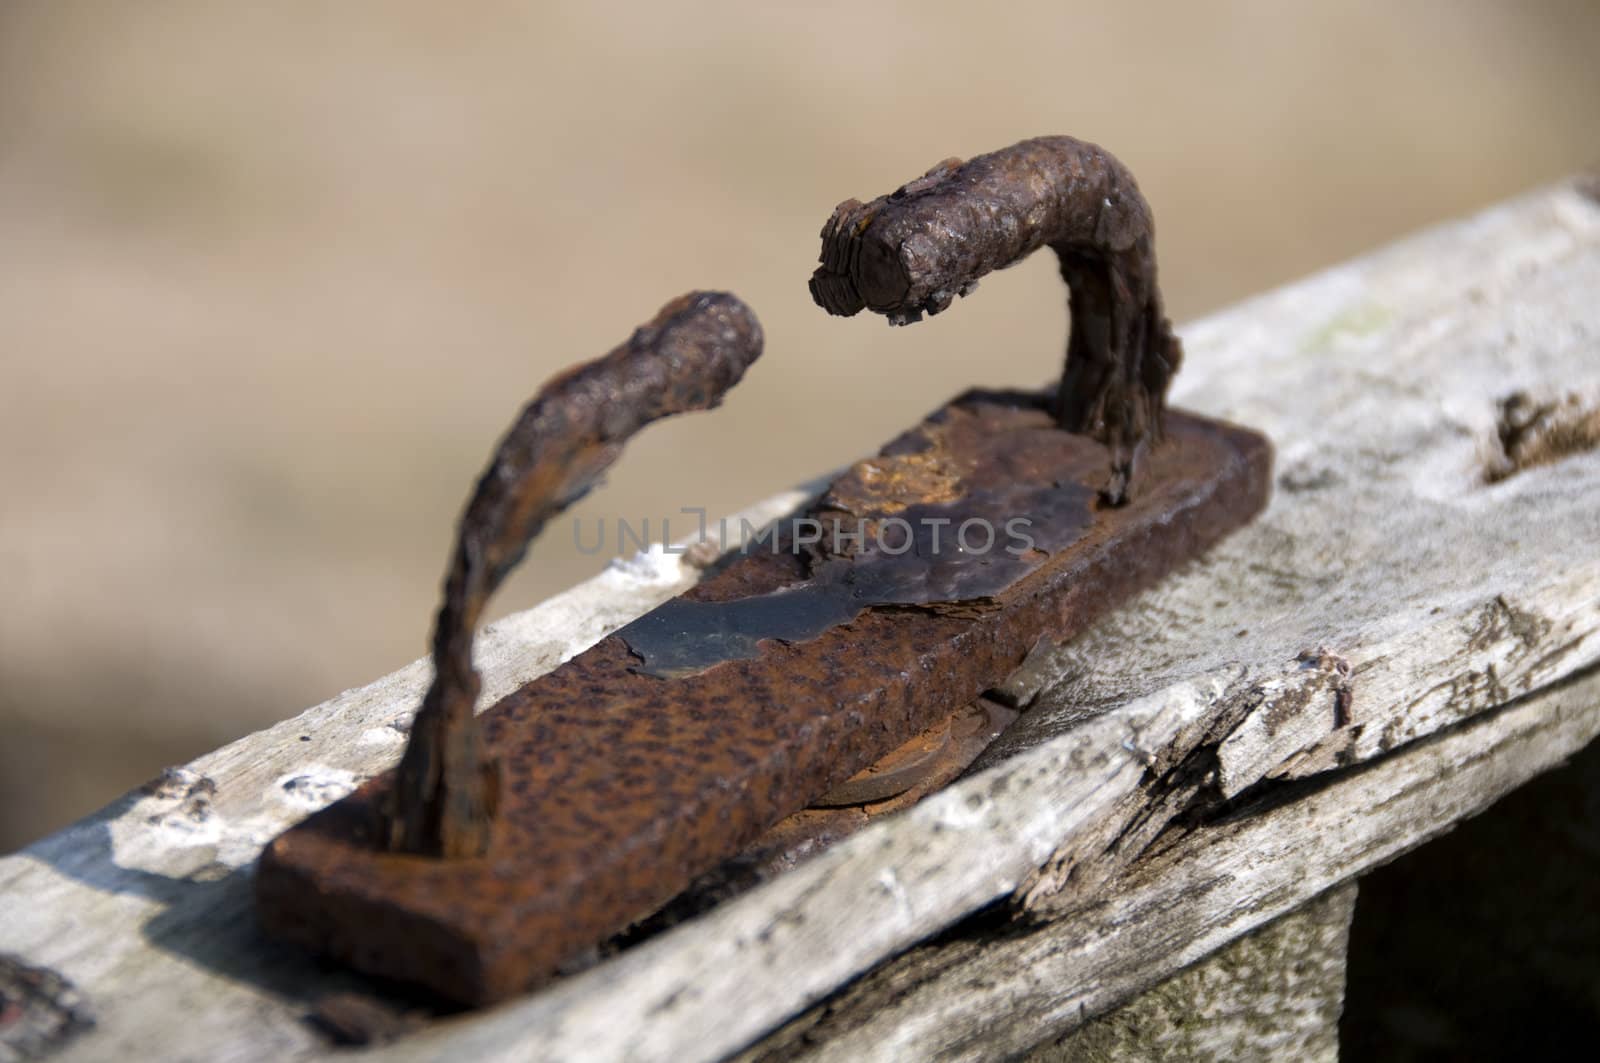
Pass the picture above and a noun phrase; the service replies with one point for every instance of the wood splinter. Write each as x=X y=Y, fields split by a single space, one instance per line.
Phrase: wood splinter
x=686 y=358
x=914 y=250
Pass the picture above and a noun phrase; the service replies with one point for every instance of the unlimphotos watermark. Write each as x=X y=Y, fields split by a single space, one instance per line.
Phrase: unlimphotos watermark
x=925 y=535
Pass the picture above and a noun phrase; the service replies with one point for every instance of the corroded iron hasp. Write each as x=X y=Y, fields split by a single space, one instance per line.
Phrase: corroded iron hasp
x=837 y=660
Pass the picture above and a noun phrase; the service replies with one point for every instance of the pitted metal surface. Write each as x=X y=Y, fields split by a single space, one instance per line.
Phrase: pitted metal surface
x=619 y=788
x=957 y=509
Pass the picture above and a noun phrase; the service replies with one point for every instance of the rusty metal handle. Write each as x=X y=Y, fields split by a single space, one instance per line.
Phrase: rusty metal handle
x=686 y=358
x=915 y=250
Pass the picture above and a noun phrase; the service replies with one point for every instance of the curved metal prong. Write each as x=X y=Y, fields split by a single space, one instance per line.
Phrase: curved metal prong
x=914 y=251
x=685 y=359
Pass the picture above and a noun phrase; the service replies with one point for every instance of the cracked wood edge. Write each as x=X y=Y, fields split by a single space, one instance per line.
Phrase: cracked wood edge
x=993 y=993
x=1443 y=596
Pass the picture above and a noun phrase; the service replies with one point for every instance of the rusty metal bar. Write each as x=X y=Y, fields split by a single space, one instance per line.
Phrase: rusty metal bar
x=619 y=787
x=929 y=761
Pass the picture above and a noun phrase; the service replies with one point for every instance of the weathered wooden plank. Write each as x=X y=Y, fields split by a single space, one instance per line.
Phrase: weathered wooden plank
x=1446 y=596
x=147 y=907
x=1275 y=993
x=989 y=995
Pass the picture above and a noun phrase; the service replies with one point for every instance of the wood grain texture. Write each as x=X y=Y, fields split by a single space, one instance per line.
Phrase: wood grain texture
x=1465 y=614
x=994 y=992
x=1275 y=993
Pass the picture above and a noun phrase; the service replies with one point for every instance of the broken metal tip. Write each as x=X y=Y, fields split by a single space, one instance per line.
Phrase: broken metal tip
x=685 y=358
x=913 y=251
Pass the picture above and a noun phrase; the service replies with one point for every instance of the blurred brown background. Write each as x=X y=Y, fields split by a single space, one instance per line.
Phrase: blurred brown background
x=273 y=277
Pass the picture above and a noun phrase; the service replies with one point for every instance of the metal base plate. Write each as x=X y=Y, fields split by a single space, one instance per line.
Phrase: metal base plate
x=674 y=744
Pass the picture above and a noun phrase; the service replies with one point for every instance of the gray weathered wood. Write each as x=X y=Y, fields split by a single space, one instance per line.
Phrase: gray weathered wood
x=1457 y=606
x=983 y=995
x=1275 y=993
